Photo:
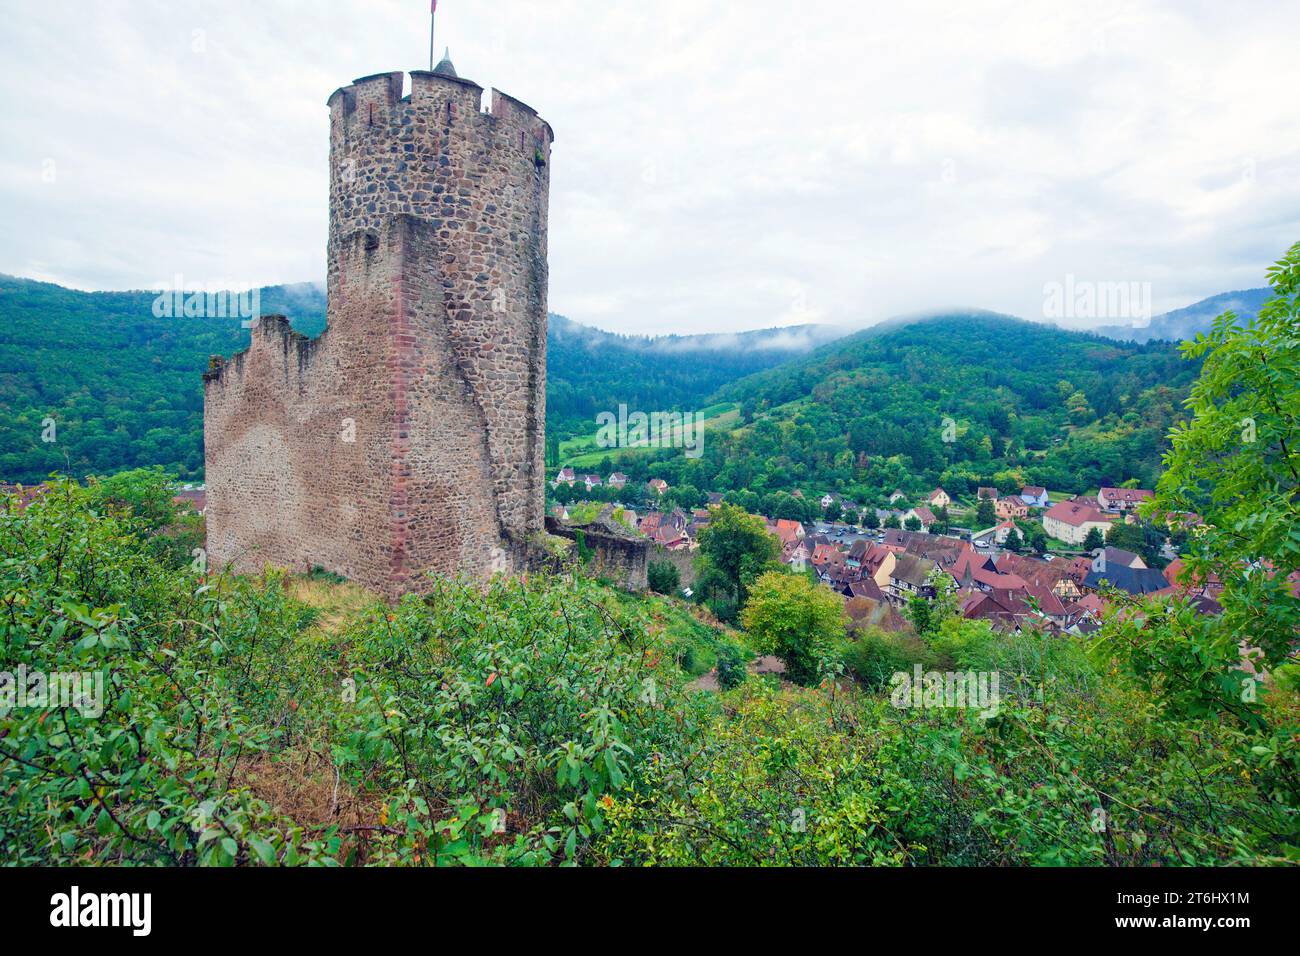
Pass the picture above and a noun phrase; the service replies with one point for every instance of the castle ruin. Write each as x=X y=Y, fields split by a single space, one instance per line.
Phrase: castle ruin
x=409 y=437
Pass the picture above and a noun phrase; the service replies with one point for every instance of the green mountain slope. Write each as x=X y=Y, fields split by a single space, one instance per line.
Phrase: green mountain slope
x=122 y=387
x=590 y=371
x=961 y=399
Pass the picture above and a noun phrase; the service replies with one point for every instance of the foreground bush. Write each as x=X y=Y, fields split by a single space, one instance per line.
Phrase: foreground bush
x=468 y=725
x=193 y=681
x=1060 y=776
x=545 y=723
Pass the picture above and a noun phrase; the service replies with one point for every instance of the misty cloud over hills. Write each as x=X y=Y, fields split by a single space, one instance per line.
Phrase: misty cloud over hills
x=1185 y=323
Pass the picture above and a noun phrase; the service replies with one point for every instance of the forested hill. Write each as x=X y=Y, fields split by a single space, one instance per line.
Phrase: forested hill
x=1031 y=404
x=124 y=388
x=590 y=371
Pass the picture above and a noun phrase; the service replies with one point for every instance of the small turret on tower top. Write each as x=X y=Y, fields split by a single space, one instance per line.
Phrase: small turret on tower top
x=445 y=67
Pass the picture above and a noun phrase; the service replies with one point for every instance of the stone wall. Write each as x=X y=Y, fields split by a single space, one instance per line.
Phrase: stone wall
x=410 y=437
x=617 y=555
x=683 y=560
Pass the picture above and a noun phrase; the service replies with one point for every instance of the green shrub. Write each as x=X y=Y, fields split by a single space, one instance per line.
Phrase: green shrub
x=792 y=777
x=448 y=714
x=877 y=655
x=732 y=666
x=544 y=722
x=797 y=620
x=193 y=678
x=663 y=576
x=319 y=573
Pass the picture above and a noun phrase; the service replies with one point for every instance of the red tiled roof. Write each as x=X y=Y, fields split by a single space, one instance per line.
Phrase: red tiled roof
x=668 y=535
x=1076 y=515
x=1179 y=576
x=1000 y=607
x=1041 y=573
x=1080 y=568
x=874 y=558
x=796 y=548
x=1089 y=602
x=828 y=554
x=1005 y=582
x=1048 y=602
x=969 y=559
x=787 y=530
x=938 y=548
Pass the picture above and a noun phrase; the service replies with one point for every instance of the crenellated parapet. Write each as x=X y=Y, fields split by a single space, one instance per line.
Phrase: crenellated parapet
x=377 y=101
x=429 y=152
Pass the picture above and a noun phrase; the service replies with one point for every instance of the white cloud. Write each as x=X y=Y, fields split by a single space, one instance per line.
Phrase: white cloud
x=718 y=166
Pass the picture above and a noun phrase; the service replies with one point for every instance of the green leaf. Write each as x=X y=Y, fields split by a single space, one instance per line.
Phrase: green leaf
x=265 y=852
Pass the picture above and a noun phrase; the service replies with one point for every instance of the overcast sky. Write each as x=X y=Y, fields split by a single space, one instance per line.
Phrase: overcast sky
x=718 y=165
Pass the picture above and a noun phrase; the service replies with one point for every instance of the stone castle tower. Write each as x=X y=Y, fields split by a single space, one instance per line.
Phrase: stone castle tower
x=409 y=437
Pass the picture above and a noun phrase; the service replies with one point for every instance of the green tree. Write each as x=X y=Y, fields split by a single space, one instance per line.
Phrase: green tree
x=146 y=494
x=732 y=670
x=1094 y=539
x=1080 y=411
x=796 y=620
x=663 y=577
x=985 y=514
x=1236 y=463
x=734 y=550
x=1141 y=537
x=942 y=521
x=928 y=614
x=1037 y=539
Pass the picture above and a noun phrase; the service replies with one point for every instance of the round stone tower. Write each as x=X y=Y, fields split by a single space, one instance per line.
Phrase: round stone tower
x=410 y=437
x=476 y=184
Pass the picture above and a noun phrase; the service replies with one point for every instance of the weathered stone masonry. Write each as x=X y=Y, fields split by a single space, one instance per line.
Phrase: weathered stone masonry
x=410 y=436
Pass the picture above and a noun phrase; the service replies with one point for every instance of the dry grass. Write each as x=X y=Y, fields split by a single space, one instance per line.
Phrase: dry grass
x=337 y=603
x=305 y=786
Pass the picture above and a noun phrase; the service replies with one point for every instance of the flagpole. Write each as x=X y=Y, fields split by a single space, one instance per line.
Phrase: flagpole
x=433 y=14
